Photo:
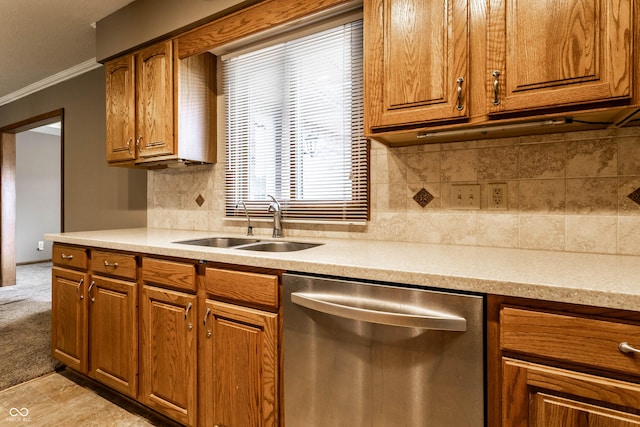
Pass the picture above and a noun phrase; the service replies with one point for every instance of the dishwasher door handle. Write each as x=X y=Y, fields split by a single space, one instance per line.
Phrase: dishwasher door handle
x=418 y=318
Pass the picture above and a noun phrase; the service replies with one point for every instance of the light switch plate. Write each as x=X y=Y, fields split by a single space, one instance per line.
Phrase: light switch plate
x=465 y=196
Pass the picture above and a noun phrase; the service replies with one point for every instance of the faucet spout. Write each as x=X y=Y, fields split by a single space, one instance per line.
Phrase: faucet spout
x=246 y=211
x=276 y=209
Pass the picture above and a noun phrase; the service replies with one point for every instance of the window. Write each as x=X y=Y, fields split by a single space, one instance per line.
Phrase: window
x=294 y=128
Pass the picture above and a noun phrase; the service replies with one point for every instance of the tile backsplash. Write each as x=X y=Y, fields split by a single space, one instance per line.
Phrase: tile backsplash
x=565 y=192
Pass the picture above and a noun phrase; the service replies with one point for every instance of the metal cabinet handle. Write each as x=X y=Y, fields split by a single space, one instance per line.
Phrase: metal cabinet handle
x=186 y=312
x=625 y=347
x=79 y=286
x=114 y=265
x=345 y=306
x=138 y=141
x=496 y=99
x=63 y=256
x=89 y=291
x=206 y=314
x=129 y=145
x=460 y=107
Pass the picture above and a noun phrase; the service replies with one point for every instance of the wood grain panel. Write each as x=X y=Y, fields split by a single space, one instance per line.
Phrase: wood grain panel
x=176 y=275
x=120 y=109
x=540 y=396
x=568 y=338
x=168 y=352
x=241 y=366
x=251 y=20
x=69 y=325
x=113 y=319
x=114 y=264
x=70 y=256
x=251 y=288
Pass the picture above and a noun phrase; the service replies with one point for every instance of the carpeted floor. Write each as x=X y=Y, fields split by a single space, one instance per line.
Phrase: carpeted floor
x=25 y=326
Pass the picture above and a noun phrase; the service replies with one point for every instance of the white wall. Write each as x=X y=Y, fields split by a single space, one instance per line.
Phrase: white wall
x=38 y=196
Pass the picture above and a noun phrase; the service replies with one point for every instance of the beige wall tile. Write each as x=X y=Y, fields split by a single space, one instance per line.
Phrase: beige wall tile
x=542 y=232
x=498 y=230
x=592 y=196
x=423 y=167
x=626 y=186
x=542 y=196
x=459 y=166
x=593 y=234
x=424 y=227
x=498 y=163
x=543 y=160
x=460 y=228
x=590 y=158
x=629 y=155
x=629 y=235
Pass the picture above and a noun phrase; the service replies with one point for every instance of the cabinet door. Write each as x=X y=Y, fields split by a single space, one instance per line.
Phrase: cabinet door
x=113 y=334
x=551 y=53
x=154 y=84
x=121 y=109
x=241 y=366
x=168 y=353
x=415 y=53
x=69 y=318
x=540 y=396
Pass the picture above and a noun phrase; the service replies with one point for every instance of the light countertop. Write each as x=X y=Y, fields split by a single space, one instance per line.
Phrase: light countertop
x=611 y=281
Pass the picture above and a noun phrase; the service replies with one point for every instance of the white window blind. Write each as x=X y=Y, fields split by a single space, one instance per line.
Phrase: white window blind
x=294 y=128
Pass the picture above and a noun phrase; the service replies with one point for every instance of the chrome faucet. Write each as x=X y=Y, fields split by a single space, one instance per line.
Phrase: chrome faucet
x=276 y=209
x=246 y=211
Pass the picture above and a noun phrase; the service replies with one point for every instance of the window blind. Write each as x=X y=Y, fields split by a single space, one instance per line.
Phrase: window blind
x=294 y=128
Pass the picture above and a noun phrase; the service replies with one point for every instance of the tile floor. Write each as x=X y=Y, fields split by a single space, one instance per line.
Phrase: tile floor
x=66 y=399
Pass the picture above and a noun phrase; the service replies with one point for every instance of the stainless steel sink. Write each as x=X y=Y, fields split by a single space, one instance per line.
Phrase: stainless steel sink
x=219 y=242
x=278 y=246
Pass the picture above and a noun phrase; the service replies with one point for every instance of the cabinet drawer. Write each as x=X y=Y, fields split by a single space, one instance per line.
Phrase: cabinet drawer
x=569 y=338
x=252 y=288
x=69 y=256
x=173 y=274
x=114 y=264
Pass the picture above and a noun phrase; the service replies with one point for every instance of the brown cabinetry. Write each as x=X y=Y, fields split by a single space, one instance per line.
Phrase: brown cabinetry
x=158 y=108
x=550 y=54
x=168 y=348
x=113 y=321
x=439 y=66
x=562 y=366
x=241 y=350
x=94 y=315
x=416 y=62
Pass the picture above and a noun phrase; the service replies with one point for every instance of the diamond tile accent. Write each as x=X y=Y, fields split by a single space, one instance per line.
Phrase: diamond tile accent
x=423 y=197
x=200 y=200
x=635 y=196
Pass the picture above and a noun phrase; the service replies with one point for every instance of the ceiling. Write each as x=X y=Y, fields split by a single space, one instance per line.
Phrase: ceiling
x=40 y=39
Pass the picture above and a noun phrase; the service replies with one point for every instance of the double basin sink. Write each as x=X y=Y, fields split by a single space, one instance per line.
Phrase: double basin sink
x=249 y=244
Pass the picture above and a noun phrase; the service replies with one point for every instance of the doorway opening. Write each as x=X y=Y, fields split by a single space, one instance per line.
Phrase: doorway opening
x=29 y=164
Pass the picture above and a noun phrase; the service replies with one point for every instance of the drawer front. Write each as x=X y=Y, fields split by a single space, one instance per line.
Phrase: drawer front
x=252 y=288
x=173 y=274
x=69 y=256
x=114 y=264
x=568 y=338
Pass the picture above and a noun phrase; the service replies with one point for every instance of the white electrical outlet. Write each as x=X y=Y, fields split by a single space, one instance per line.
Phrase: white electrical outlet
x=497 y=195
x=40 y=245
x=465 y=196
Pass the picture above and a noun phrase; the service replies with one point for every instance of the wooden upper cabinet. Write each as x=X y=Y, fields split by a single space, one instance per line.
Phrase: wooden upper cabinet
x=160 y=108
x=121 y=109
x=154 y=83
x=416 y=62
x=551 y=53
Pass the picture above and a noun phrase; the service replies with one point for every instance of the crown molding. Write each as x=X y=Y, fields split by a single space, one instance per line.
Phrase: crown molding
x=67 y=74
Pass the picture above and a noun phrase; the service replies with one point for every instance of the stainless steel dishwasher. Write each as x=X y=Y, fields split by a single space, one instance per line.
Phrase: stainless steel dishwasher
x=359 y=354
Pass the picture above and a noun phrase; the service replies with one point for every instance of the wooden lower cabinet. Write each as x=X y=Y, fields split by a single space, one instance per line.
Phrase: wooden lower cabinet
x=168 y=353
x=69 y=330
x=113 y=335
x=535 y=395
x=240 y=366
